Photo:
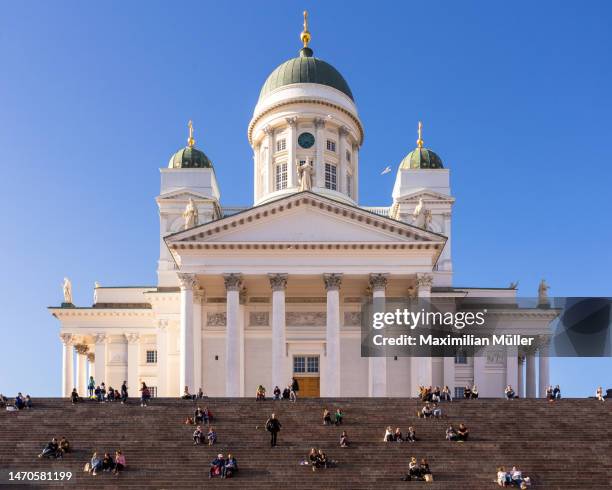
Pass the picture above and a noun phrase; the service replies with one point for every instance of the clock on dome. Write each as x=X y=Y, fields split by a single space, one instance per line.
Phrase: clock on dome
x=306 y=140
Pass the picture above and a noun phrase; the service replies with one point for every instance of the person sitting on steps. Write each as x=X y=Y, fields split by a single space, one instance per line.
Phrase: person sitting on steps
x=599 y=394
x=388 y=437
x=198 y=416
x=338 y=416
x=426 y=411
x=198 y=436
x=467 y=392
x=260 y=394
x=435 y=395
x=277 y=393
x=74 y=396
x=411 y=435
x=414 y=471
x=231 y=467
x=120 y=463
x=425 y=471
x=187 y=395
x=64 y=446
x=503 y=477
x=107 y=463
x=201 y=393
x=557 y=393
x=95 y=464
x=211 y=436
x=509 y=392
x=216 y=466
x=462 y=433
x=436 y=411
x=344 y=442
x=286 y=393
x=397 y=435
x=51 y=450
x=313 y=458
x=446 y=394
x=326 y=417
x=451 y=433
x=474 y=394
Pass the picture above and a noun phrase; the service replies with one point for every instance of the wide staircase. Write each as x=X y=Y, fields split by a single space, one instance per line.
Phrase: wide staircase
x=566 y=444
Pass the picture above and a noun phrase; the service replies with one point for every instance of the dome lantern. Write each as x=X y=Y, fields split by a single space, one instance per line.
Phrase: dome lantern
x=421 y=157
x=190 y=156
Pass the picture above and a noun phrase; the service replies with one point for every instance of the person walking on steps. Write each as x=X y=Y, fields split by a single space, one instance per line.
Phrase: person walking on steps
x=273 y=426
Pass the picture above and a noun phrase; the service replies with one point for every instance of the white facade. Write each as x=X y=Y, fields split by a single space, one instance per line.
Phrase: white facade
x=252 y=296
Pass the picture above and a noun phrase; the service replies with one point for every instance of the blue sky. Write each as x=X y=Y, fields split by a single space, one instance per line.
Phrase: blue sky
x=94 y=98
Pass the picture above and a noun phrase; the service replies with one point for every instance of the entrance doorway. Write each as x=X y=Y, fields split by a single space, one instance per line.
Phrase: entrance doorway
x=306 y=371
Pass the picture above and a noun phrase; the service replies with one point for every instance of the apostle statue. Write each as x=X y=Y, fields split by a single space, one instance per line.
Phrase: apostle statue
x=67 y=287
x=543 y=293
x=305 y=171
x=190 y=215
x=421 y=216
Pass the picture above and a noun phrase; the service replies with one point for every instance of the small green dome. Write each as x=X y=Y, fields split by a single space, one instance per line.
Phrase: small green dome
x=421 y=158
x=189 y=157
x=305 y=69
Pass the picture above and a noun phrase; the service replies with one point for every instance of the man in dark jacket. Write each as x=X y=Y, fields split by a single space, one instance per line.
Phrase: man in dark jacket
x=273 y=426
x=124 y=392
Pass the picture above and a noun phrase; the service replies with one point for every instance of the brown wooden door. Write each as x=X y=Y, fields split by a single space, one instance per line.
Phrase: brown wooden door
x=309 y=386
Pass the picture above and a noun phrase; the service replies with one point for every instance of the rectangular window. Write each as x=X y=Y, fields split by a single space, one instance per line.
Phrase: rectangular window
x=348 y=156
x=280 y=179
x=299 y=364
x=151 y=356
x=460 y=358
x=331 y=145
x=281 y=144
x=349 y=184
x=312 y=364
x=459 y=391
x=331 y=181
x=153 y=391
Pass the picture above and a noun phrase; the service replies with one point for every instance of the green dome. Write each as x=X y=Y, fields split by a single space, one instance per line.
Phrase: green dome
x=189 y=157
x=305 y=69
x=421 y=158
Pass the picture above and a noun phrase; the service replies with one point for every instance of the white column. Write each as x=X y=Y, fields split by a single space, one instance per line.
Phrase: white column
x=319 y=153
x=162 y=358
x=531 y=376
x=268 y=171
x=355 y=158
x=198 y=297
x=91 y=357
x=291 y=152
x=544 y=369
x=133 y=362
x=342 y=173
x=449 y=374
x=520 y=383
x=331 y=376
x=188 y=282
x=377 y=382
x=81 y=369
x=446 y=258
x=421 y=367
x=512 y=368
x=233 y=284
x=67 y=364
x=100 y=352
x=278 y=282
x=480 y=362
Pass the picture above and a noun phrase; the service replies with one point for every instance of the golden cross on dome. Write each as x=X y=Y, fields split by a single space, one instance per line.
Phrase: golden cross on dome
x=305 y=35
x=420 y=133
x=190 y=140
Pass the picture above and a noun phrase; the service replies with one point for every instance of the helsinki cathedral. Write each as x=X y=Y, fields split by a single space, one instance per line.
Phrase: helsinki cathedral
x=258 y=295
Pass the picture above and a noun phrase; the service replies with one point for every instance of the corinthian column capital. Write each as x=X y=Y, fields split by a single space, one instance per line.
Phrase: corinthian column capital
x=67 y=338
x=187 y=280
x=233 y=282
x=332 y=281
x=278 y=282
x=378 y=282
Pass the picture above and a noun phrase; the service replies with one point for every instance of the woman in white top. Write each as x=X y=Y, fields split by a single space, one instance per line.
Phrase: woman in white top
x=388 y=434
x=502 y=476
x=599 y=394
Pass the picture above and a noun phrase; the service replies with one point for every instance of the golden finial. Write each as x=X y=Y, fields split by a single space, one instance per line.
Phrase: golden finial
x=190 y=140
x=305 y=35
x=420 y=132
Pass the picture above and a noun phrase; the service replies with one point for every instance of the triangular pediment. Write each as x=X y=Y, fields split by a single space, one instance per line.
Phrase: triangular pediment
x=305 y=218
x=426 y=195
x=183 y=195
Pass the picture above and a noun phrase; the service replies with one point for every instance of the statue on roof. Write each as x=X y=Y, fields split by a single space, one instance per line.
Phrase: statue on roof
x=67 y=287
x=543 y=293
x=421 y=216
x=305 y=171
x=191 y=215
